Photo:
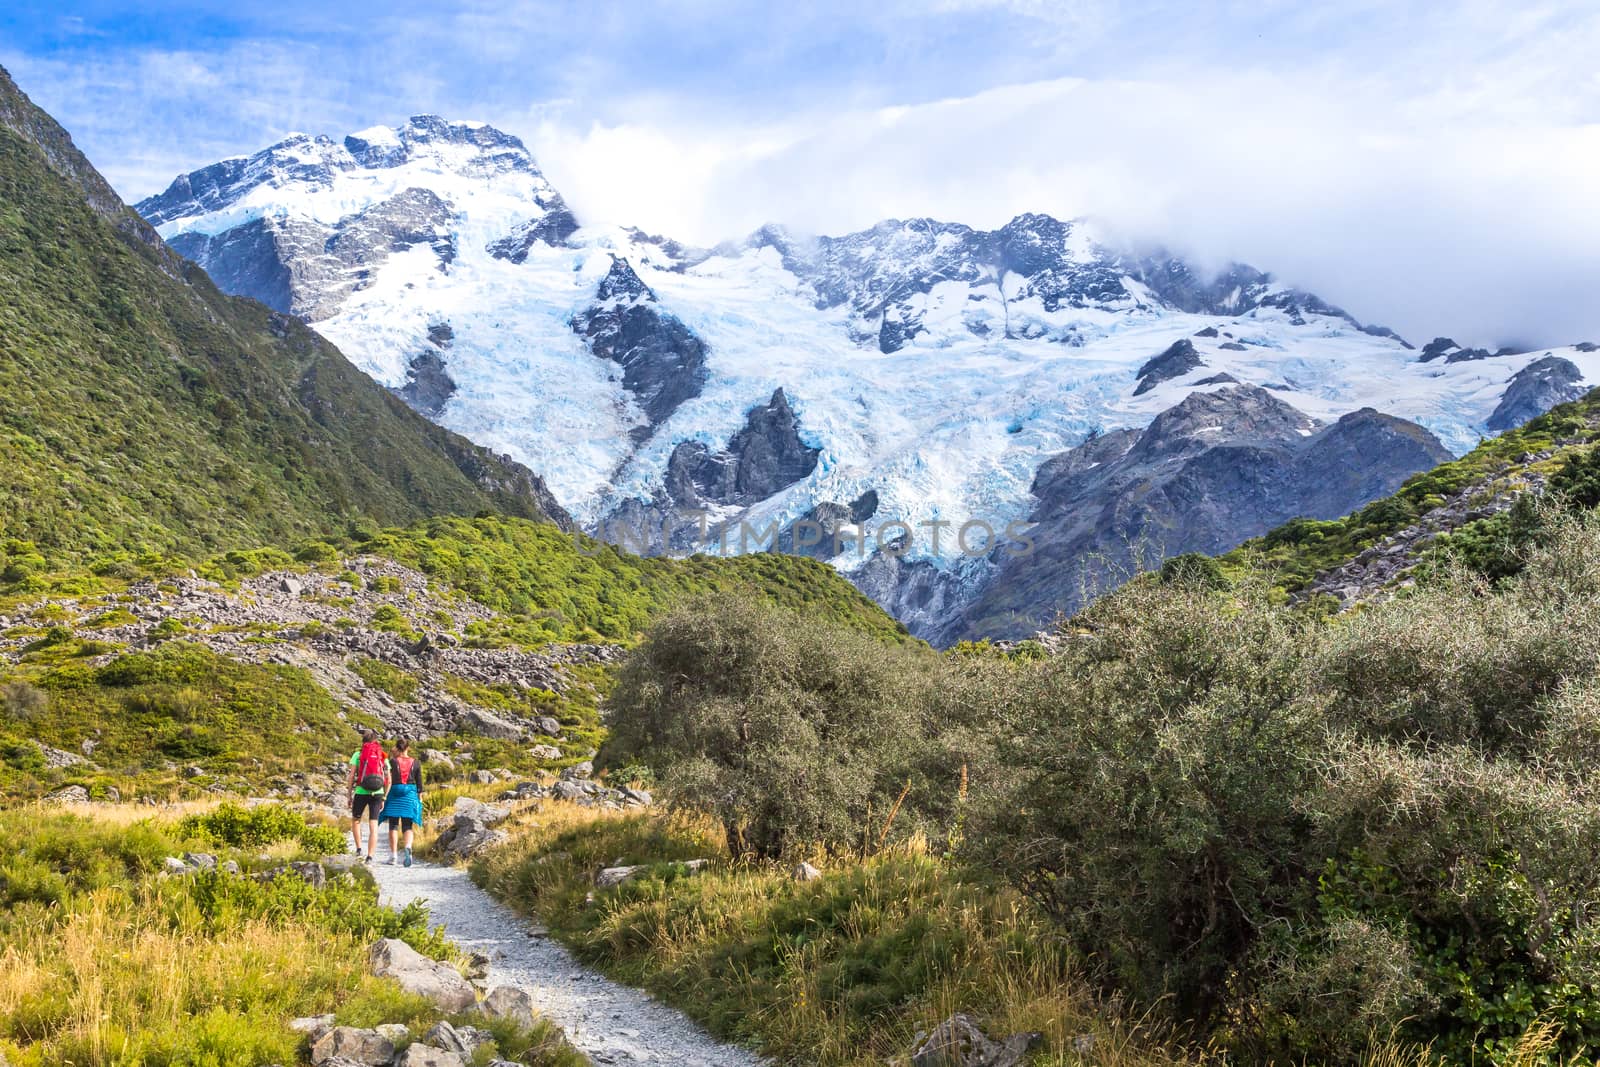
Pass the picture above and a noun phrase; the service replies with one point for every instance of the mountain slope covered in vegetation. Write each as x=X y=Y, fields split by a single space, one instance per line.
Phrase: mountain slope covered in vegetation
x=147 y=412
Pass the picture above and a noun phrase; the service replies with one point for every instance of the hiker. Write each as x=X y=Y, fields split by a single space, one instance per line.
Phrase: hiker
x=367 y=783
x=403 y=808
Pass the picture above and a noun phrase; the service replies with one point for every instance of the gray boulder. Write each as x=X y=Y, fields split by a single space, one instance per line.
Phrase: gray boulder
x=468 y=829
x=428 y=1056
x=462 y=1040
x=310 y=872
x=958 y=1042
x=395 y=1032
x=805 y=873
x=487 y=723
x=567 y=789
x=547 y=726
x=313 y=1026
x=68 y=794
x=352 y=1045
x=415 y=973
x=509 y=1002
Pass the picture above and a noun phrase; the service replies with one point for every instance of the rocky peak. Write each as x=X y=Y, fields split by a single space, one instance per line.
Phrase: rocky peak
x=317 y=161
x=1233 y=414
x=622 y=283
x=663 y=361
x=1205 y=475
x=1179 y=359
x=765 y=456
x=1535 y=389
x=1452 y=352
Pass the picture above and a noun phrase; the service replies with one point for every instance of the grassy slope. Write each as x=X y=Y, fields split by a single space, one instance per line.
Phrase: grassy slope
x=154 y=712
x=1300 y=549
x=557 y=586
x=144 y=410
x=106 y=962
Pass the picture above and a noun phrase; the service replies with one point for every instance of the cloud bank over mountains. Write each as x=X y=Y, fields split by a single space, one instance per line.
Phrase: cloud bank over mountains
x=1434 y=169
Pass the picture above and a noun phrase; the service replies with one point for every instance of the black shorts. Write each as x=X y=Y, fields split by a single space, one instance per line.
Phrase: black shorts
x=401 y=822
x=369 y=803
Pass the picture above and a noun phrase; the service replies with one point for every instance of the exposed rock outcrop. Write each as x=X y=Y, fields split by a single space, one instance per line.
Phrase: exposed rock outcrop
x=1534 y=390
x=295 y=265
x=663 y=362
x=763 y=457
x=1216 y=469
x=1179 y=359
x=415 y=973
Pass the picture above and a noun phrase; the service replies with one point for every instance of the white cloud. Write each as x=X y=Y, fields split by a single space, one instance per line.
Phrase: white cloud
x=1428 y=166
x=1482 y=228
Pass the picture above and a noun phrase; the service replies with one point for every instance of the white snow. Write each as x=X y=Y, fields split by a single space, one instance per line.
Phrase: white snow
x=951 y=427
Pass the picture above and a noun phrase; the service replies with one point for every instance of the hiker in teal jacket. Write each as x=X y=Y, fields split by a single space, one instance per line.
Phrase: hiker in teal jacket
x=403 y=806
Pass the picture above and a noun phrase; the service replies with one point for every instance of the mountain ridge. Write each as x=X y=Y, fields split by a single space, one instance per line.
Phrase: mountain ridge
x=930 y=364
x=146 y=411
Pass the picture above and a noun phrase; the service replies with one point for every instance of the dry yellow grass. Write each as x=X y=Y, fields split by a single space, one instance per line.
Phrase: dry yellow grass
x=698 y=943
x=115 y=982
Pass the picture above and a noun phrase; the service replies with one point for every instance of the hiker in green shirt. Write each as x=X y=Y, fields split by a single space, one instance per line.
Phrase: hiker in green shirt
x=365 y=786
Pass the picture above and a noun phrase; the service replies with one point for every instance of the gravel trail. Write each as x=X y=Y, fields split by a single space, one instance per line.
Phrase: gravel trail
x=611 y=1023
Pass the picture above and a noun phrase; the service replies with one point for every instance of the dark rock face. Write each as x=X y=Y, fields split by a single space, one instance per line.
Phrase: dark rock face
x=1213 y=471
x=1179 y=359
x=552 y=228
x=1534 y=390
x=821 y=532
x=1384 y=331
x=1452 y=352
x=763 y=457
x=246 y=260
x=663 y=362
x=303 y=268
x=428 y=385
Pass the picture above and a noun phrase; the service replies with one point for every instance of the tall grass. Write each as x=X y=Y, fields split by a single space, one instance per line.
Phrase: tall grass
x=846 y=970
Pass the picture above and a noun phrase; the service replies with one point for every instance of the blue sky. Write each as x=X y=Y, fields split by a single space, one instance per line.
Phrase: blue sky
x=1429 y=165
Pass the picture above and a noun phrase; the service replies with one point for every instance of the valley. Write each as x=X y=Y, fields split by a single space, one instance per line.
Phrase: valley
x=1259 y=728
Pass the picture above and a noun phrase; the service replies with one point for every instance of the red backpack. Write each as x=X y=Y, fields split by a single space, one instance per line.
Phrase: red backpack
x=369 y=767
x=400 y=769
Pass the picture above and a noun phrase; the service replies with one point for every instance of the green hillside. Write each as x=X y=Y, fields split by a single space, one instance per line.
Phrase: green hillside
x=146 y=411
x=1299 y=550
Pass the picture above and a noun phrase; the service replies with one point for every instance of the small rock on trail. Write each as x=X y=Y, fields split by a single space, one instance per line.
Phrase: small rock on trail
x=611 y=1023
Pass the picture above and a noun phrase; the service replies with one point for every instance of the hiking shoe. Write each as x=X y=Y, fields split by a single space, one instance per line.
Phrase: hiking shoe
x=393 y=860
x=367 y=860
x=408 y=857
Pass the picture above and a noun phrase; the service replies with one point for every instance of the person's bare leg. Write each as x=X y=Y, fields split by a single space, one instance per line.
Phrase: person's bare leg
x=394 y=840
x=372 y=837
x=355 y=832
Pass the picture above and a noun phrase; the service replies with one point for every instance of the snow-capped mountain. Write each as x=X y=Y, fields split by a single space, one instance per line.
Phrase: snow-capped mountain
x=915 y=373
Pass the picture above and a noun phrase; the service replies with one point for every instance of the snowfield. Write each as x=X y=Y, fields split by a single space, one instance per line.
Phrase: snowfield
x=952 y=426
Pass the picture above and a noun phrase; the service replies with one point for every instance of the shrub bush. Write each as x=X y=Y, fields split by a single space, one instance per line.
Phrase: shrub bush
x=264 y=824
x=794 y=733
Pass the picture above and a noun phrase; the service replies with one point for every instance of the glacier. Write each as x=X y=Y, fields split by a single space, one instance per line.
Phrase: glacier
x=929 y=363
